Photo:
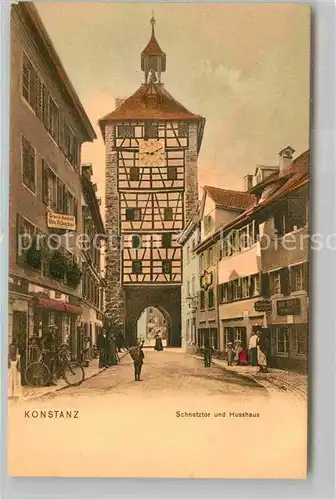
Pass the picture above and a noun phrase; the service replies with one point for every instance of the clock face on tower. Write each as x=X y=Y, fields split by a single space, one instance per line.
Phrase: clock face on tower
x=152 y=153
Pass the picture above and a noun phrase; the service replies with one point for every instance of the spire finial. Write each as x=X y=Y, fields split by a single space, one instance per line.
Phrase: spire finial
x=152 y=21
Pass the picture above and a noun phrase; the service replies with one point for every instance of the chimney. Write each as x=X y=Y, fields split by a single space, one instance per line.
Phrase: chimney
x=248 y=182
x=119 y=101
x=285 y=159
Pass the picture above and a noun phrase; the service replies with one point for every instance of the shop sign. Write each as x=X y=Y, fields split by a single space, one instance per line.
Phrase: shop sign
x=18 y=285
x=61 y=221
x=263 y=306
x=288 y=307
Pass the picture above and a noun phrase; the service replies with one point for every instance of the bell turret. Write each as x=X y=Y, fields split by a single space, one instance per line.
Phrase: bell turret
x=153 y=59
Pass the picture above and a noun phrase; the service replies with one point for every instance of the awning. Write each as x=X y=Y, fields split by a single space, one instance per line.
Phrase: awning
x=58 y=305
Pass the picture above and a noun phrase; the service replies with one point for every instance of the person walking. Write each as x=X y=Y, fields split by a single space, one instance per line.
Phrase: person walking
x=253 y=348
x=262 y=346
x=158 y=343
x=112 y=359
x=207 y=356
x=229 y=353
x=101 y=343
x=137 y=356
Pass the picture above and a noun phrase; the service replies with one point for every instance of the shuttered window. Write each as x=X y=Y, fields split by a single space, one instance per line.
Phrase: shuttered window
x=46 y=112
x=39 y=97
x=29 y=81
x=28 y=165
x=54 y=124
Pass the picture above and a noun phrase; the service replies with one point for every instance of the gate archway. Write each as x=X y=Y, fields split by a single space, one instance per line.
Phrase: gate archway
x=166 y=300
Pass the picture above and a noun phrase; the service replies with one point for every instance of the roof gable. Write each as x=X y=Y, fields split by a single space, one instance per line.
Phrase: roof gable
x=230 y=199
x=137 y=108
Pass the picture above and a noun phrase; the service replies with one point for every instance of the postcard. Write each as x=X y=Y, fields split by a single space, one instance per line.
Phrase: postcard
x=158 y=311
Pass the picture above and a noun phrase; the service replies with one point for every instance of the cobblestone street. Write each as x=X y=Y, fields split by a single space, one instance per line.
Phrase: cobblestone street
x=170 y=372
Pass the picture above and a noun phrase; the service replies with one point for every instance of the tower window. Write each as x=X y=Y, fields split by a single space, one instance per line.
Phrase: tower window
x=134 y=174
x=183 y=129
x=133 y=214
x=136 y=241
x=166 y=266
x=136 y=267
x=166 y=240
x=172 y=173
x=151 y=130
x=125 y=131
x=168 y=213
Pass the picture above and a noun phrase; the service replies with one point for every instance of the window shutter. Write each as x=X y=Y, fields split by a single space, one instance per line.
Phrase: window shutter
x=45 y=175
x=250 y=286
x=60 y=190
x=292 y=279
x=62 y=132
x=239 y=288
x=33 y=75
x=264 y=284
x=75 y=208
x=230 y=291
x=39 y=97
x=284 y=281
x=305 y=276
x=20 y=259
x=65 y=198
x=46 y=112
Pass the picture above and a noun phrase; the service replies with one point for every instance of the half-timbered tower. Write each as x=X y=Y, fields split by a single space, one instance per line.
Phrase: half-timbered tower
x=152 y=145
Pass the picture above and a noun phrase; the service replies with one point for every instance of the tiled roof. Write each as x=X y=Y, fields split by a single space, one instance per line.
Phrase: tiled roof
x=298 y=178
x=236 y=200
x=135 y=108
x=152 y=48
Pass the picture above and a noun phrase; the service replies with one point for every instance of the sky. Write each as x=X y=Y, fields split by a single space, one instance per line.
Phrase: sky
x=244 y=67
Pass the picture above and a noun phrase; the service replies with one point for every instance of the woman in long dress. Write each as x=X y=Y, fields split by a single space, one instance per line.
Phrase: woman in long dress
x=158 y=343
x=262 y=350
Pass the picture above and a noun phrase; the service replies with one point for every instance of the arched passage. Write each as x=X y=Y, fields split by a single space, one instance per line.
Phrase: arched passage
x=154 y=321
x=166 y=299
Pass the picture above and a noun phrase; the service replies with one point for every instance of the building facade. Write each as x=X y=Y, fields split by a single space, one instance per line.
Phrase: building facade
x=189 y=239
x=48 y=127
x=92 y=280
x=152 y=145
x=219 y=208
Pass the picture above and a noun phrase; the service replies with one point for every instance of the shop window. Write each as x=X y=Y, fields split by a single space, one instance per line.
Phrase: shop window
x=299 y=335
x=280 y=340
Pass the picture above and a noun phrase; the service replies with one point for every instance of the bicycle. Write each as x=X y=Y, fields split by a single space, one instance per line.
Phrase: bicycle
x=38 y=374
